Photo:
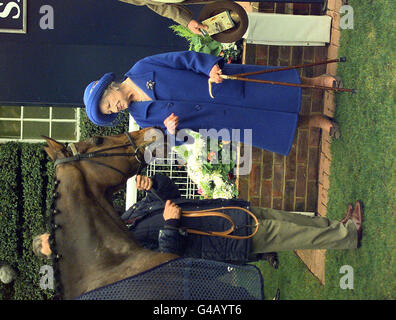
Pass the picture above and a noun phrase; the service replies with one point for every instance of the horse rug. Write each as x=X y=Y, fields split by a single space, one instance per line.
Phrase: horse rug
x=186 y=279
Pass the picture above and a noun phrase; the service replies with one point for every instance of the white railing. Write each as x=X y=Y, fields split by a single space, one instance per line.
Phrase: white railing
x=168 y=166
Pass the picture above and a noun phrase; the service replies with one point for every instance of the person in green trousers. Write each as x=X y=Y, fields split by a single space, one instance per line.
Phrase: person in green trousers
x=157 y=223
x=282 y=230
x=278 y=230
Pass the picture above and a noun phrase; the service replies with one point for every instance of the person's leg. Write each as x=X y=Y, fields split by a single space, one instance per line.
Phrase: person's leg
x=321 y=122
x=315 y=121
x=287 y=216
x=281 y=230
x=322 y=80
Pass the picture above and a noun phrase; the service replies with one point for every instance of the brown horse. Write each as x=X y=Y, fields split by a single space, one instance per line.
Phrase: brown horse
x=91 y=244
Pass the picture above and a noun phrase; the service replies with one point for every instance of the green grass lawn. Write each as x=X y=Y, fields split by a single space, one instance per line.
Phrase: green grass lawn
x=363 y=166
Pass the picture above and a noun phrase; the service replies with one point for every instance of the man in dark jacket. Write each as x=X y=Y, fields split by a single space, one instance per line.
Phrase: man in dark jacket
x=157 y=223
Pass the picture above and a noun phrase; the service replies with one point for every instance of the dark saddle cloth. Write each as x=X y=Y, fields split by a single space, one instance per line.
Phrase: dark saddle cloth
x=186 y=279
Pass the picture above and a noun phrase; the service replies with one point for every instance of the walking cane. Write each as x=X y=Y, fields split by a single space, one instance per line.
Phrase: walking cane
x=241 y=77
x=299 y=66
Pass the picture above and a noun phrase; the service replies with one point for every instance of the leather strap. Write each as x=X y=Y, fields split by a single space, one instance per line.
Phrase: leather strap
x=226 y=233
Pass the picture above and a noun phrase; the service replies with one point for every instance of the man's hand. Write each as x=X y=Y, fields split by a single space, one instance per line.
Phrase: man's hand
x=143 y=183
x=171 y=211
x=171 y=123
x=194 y=26
x=215 y=73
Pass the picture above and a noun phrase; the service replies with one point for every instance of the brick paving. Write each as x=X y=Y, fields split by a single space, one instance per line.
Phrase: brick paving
x=300 y=181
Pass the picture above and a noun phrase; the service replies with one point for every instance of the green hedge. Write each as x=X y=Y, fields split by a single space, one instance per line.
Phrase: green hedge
x=26 y=180
x=9 y=210
x=88 y=129
x=23 y=178
x=34 y=186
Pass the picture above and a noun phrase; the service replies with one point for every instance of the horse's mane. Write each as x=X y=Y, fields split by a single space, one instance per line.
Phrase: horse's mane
x=58 y=288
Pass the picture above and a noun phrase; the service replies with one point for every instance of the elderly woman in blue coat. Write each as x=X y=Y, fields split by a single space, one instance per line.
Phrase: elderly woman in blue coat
x=170 y=91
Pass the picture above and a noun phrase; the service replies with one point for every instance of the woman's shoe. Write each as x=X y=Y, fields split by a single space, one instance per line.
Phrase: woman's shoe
x=334 y=132
x=337 y=83
x=272 y=259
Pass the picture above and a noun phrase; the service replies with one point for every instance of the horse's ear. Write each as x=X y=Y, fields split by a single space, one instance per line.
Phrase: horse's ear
x=55 y=148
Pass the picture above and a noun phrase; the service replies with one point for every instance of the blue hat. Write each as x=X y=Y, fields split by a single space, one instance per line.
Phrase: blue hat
x=92 y=96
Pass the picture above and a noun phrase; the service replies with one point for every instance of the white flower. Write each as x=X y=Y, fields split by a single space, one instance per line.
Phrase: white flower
x=226 y=46
x=195 y=155
x=218 y=181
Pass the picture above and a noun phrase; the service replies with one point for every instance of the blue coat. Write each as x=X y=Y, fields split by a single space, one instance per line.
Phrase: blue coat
x=177 y=82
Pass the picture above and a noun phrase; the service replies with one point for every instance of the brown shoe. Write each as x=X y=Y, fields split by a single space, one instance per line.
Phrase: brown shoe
x=357 y=219
x=271 y=257
x=348 y=214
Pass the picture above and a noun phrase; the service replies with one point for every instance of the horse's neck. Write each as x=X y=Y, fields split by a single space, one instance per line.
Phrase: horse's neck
x=95 y=246
x=92 y=213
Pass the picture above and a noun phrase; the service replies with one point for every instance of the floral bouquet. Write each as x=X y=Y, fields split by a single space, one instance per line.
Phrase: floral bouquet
x=210 y=164
x=231 y=52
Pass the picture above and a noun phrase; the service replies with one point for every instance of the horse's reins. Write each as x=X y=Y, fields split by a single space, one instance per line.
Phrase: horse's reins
x=100 y=153
x=191 y=214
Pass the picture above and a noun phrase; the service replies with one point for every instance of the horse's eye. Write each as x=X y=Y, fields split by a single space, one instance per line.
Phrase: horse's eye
x=97 y=140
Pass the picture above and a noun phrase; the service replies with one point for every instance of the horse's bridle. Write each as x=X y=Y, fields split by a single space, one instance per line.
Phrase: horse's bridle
x=100 y=153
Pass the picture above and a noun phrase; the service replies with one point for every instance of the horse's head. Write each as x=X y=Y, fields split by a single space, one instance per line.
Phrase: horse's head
x=106 y=161
x=89 y=239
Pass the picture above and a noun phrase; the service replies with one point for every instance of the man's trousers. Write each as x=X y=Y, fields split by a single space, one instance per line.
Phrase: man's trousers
x=283 y=230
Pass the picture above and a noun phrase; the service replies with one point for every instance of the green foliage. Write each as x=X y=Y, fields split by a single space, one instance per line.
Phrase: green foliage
x=23 y=177
x=220 y=158
x=9 y=209
x=231 y=52
x=33 y=172
x=89 y=129
x=9 y=159
x=198 y=43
